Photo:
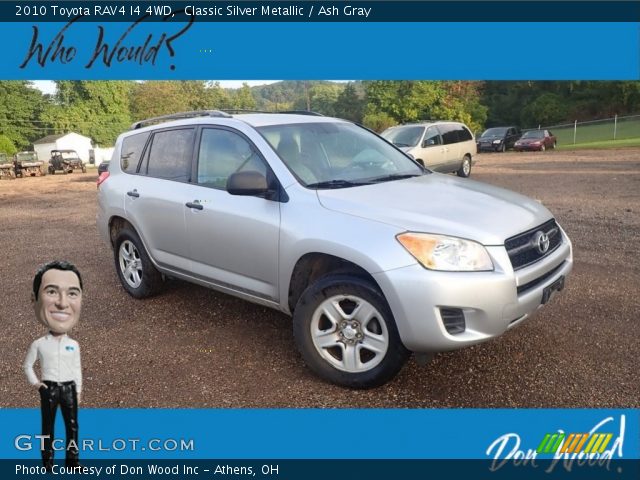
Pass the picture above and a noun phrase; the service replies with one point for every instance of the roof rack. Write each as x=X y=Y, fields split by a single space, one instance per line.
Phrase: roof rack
x=178 y=116
x=302 y=112
x=291 y=112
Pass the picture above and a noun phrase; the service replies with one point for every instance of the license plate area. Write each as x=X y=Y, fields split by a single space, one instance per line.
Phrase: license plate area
x=549 y=290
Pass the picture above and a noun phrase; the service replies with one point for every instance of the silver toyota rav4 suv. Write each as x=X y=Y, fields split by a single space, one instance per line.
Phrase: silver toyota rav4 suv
x=372 y=255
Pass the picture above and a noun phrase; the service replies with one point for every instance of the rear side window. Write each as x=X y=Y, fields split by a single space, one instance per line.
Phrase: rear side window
x=449 y=134
x=131 y=150
x=464 y=134
x=170 y=155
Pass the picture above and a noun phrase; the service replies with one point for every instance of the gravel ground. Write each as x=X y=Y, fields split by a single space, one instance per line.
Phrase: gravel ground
x=192 y=347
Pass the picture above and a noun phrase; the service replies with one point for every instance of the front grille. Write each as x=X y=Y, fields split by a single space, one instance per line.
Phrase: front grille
x=453 y=320
x=539 y=280
x=523 y=249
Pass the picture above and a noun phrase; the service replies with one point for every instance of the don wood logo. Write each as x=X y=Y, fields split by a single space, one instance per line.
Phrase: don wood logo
x=596 y=447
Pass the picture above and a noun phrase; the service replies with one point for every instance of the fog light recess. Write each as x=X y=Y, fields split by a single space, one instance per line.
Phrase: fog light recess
x=453 y=320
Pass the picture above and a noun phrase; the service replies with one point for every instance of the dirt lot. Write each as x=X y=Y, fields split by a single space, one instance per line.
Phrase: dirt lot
x=192 y=347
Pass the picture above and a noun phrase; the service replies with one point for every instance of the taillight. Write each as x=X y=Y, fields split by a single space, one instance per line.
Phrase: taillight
x=103 y=176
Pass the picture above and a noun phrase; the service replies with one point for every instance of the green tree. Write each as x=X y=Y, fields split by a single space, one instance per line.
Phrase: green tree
x=412 y=101
x=21 y=107
x=349 y=105
x=243 y=98
x=97 y=109
x=7 y=146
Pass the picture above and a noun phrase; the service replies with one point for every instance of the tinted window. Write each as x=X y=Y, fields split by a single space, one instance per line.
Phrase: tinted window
x=170 y=155
x=131 y=150
x=222 y=153
x=449 y=134
x=464 y=134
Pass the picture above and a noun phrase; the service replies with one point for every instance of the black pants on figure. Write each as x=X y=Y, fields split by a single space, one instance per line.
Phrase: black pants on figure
x=63 y=395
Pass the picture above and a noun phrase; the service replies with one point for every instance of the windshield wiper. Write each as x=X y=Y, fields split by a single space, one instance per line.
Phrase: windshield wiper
x=395 y=176
x=400 y=144
x=336 y=184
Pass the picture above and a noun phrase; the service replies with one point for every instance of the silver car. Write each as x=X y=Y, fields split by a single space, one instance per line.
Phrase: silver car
x=372 y=255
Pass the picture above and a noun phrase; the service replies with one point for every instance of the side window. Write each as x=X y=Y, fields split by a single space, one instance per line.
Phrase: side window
x=432 y=137
x=131 y=150
x=463 y=133
x=170 y=155
x=222 y=153
x=449 y=134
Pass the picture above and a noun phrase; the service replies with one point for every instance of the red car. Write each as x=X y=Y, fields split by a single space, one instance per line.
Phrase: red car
x=536 y=140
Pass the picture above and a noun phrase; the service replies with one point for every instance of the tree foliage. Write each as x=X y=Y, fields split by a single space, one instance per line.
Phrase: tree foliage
x=350 y=104
x=413 y=101
x=7 y=146
x=21 y=108
x=97 y=109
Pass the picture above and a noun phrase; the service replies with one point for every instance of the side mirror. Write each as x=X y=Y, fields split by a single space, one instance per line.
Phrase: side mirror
x=252 y=184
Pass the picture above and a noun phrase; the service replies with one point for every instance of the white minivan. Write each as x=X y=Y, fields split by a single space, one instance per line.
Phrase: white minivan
x=440 y=146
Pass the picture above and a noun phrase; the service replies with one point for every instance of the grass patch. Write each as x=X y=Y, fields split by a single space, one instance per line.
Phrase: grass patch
x=627 y=142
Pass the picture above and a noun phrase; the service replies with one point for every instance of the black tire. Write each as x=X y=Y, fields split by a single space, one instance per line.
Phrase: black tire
x=84 y=169
x=465 y=169
x=503 y=148
x=146 y=280
x=555 y=144
x=542 y=148
x=373 y=369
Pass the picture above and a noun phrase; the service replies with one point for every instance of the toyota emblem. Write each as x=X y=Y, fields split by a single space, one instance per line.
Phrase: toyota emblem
x=541 y=241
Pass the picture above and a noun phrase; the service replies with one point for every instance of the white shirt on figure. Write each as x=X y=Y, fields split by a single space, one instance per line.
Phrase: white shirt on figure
x=59 y=359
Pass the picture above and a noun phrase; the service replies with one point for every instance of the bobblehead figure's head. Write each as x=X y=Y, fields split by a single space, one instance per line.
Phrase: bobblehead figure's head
x=57 y=296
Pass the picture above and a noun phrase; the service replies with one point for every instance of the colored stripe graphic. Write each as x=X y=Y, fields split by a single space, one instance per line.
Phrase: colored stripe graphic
x=553 y=442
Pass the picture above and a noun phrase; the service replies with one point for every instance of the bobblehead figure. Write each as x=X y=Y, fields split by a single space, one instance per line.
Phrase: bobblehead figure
x=57 y=300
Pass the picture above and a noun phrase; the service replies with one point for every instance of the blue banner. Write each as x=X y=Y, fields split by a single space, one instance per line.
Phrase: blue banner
x=181 y=49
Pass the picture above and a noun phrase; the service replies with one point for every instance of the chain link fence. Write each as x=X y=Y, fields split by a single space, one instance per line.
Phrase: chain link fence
x=615 y=128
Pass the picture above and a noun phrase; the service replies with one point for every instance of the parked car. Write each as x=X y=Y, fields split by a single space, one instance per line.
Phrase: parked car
x=372 y=255
x=441 y=146
x=536 y=140
x=498 y=139
x=103 y=167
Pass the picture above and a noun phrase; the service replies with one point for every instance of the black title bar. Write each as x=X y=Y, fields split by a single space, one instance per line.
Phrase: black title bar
x=332 y=11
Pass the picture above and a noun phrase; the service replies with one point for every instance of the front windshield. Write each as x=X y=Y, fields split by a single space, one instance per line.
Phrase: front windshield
x=533 y=134
x=26 y=156
x=494 y=132
x=336 y=155
x=404 y=136
x=69 y=155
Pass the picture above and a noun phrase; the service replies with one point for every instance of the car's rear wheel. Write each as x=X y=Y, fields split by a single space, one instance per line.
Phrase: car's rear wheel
x=555 y=144
x=465 y=168
x=138 y=275
x=346 y=333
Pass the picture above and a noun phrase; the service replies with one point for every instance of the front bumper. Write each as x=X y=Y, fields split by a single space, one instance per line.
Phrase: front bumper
x=492 y=302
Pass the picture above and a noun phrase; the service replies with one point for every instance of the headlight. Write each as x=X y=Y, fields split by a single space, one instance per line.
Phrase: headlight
x=438 y=252
x=497 y=141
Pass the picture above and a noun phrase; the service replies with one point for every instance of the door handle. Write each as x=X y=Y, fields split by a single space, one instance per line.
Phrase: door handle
x=195 y=204
x=133 y=193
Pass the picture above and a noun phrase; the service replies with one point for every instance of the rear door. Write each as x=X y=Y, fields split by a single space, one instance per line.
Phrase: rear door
x=155 y=197
x=433 y=152
x=452 y=156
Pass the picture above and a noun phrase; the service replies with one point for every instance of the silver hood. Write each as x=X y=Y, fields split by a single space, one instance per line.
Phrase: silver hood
x=443 y=204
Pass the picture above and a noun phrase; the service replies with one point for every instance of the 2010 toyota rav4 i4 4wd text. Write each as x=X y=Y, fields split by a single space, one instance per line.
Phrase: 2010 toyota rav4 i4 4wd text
x=373 y=255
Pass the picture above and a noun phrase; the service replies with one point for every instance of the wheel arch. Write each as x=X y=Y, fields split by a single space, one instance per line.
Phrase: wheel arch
x=312 y=266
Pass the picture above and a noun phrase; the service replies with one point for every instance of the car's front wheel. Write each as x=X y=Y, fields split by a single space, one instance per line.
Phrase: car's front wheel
x=138 y=275
x=346 y=333
x=542 y=148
